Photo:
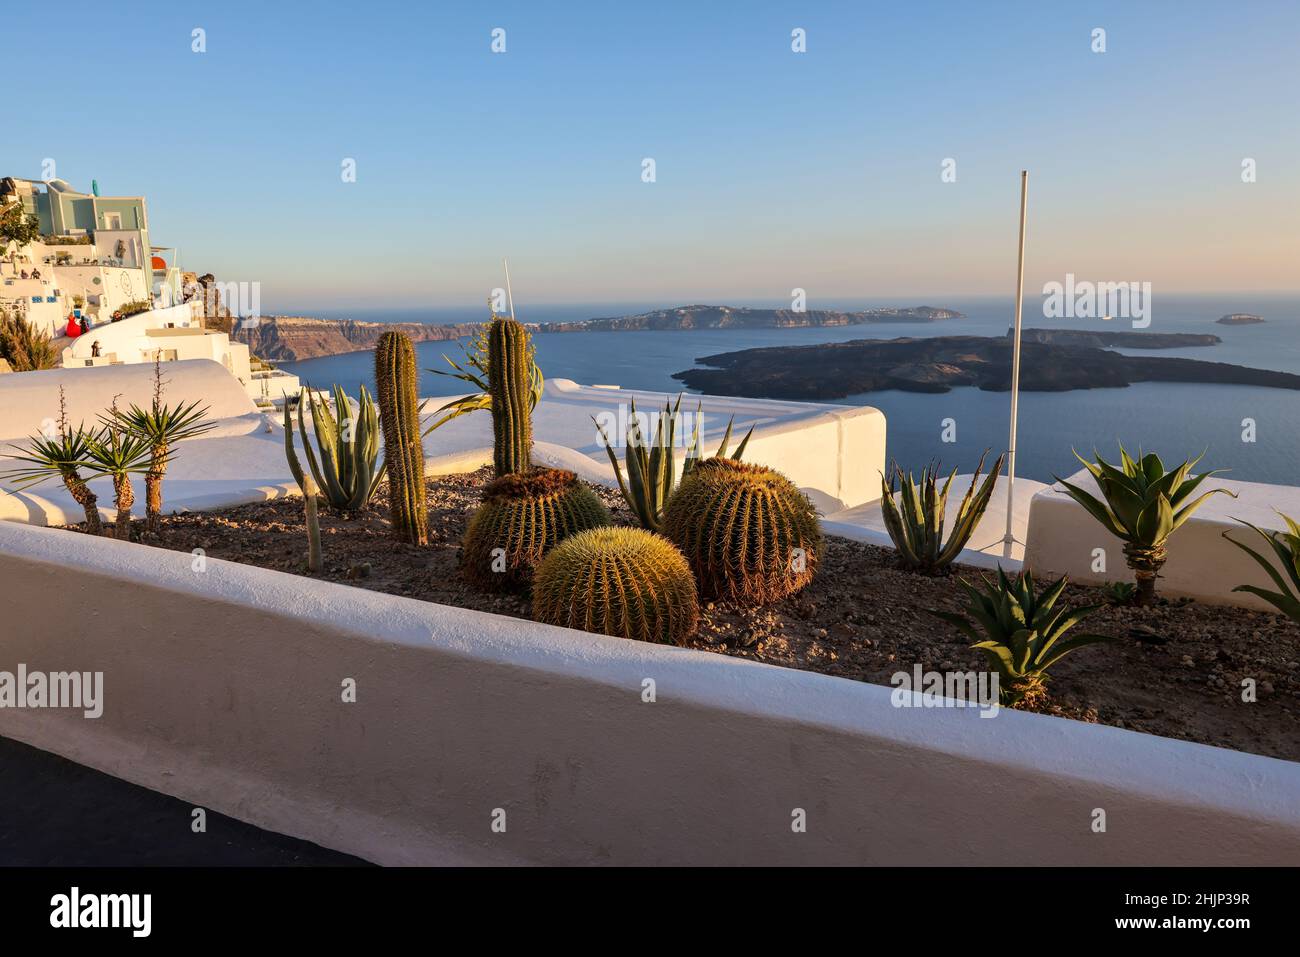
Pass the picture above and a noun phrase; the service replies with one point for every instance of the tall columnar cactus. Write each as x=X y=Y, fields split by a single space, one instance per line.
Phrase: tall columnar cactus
x=396 y=381
x=625 y=582
x=510 y=382
x=522 y=517
x=749 y=534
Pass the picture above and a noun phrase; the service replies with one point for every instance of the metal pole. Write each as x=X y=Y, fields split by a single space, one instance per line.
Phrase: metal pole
x=510 y=296
x=1009 y=538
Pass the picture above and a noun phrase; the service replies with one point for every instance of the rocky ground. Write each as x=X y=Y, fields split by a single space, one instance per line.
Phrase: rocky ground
x=1174 y=669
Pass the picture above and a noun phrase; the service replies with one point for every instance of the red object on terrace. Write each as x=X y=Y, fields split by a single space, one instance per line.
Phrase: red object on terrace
x=74 y=328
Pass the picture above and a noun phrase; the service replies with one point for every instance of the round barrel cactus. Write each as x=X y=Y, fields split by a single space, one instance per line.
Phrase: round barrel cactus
x=523 y=516
x=625 y=582
x=749 y=534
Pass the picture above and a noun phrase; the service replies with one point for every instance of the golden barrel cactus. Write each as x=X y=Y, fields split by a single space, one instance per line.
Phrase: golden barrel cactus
x=523 y=516
x=625 y=582
x=749 y=534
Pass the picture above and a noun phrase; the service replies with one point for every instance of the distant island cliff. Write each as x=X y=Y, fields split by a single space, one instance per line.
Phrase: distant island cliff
x=1239 y=319
x=291 y=338
x=939 y=364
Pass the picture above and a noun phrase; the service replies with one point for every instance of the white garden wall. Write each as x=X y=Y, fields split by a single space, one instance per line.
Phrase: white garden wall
x=222 y=687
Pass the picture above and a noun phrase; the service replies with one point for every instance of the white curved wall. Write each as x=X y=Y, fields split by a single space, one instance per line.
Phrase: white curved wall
x=222 y=687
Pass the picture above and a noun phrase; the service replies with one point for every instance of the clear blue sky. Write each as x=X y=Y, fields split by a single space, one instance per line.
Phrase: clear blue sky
x=774 y=169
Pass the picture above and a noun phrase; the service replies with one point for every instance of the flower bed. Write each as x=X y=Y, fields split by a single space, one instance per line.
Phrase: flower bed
x=1174 y=669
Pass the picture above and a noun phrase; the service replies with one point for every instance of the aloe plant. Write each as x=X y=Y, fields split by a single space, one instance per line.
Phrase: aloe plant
x=344 y=461
x=1021 y=633
x=1142 y=504
x=475 y=372
x=915 y=521
x=652 y=469
x=1286 y=546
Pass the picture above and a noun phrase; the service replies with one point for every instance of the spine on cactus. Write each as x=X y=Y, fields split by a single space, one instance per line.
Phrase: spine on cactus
x=510 y=384
x=399 y=408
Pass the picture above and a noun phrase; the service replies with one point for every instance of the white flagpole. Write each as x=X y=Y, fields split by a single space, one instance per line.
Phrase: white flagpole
x=510 y=296
x=1008 y=539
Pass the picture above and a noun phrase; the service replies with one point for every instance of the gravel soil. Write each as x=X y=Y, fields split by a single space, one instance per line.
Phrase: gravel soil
x=1174 y=669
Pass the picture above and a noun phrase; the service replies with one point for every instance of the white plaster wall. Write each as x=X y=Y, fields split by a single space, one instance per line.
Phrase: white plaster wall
x=222 y=687
x=1201 y=565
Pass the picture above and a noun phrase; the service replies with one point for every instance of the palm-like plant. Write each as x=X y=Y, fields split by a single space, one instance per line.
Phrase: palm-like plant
x=915 y=520
x=345 y=467
x=162 y=427
x=119 y=454
x=1286 y=546
x=652 y=469
x=1021 y=633
x=1142 y=504
x=63 y=454
x=473 y=368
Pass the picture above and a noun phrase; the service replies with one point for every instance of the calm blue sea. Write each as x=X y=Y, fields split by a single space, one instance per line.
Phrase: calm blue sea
x=1172 y=419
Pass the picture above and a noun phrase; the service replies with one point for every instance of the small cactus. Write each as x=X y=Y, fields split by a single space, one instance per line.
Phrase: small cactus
x=522 y=517
x=397 y=388
x=625 y=582
x=749 y=534
x=510 y=383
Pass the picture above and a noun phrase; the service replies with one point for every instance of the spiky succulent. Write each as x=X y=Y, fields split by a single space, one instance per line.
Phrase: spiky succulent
x=397 y=388
x=510 y=385
x=1286 y=546
x=915 y=521
x=522 y=517
x=651 y=469
x=1142 y=504
x=344 y=461
x=749 y=535
x=473 y=369
x=64 y=455
x=625 y=582
x=118 y=454
x=1022 y=634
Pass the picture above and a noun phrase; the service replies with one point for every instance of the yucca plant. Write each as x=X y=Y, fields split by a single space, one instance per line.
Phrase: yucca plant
x=625 y=582
x=118 y=454
x=163 y=427
x=1021 y=633
x=63 y=454
x=652 y=469
x=915 y=520
x=474 y=371
x=1142 y=504
x=344 y=461
x=1286 y=546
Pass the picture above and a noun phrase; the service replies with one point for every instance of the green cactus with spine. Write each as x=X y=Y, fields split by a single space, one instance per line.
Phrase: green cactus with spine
x=625 y=582
x=397 y=388
x=522 y=517
x=510 y=382
x=750 y=536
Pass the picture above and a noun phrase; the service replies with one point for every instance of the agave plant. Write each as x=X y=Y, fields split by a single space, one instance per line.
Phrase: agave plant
x=473 y=368
x=915 y=521
x=652 y=469
x=1142 y=504
x=1286 y=546
x=1119 y=593
x=344 y=461
x=1021 y=633
x=118 y=454
x=162 y=426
